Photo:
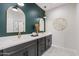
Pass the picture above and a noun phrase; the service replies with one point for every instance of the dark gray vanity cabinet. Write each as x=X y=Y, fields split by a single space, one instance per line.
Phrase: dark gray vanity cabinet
x=48 y=41
x=25 y=49
x=32 y=48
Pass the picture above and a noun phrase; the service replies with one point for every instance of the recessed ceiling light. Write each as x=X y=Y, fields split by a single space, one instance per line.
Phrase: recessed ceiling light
x=20 y=4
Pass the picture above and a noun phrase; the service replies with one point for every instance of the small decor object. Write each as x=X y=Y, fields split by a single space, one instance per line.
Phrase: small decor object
x=37 y=28
x=34 y=34
x=60 y=24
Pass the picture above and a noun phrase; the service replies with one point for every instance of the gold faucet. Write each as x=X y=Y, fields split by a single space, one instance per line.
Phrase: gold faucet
x=19 y=34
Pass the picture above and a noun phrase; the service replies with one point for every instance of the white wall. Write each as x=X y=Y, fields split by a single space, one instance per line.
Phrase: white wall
x=77 y=27
x=66 y=38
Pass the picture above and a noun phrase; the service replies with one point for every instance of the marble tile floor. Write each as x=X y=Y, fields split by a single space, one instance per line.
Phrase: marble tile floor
x=57 y=51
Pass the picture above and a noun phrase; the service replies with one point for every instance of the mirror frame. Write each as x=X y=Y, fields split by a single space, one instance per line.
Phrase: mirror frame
x=38 y=21
x=24 y=24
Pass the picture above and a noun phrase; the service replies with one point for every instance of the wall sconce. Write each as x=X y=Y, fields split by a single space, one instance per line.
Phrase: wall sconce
x=20 y=4
x=44 y=17
x=15 y=8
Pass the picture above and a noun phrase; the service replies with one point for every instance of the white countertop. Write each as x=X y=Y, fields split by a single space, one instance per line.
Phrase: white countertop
x=9 y=41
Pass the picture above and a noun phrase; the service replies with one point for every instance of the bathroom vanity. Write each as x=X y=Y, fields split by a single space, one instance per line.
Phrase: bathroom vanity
x=26 y=45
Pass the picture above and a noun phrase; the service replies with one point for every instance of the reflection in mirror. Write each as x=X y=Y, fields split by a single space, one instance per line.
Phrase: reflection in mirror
x=15 y=20
x=41 y=25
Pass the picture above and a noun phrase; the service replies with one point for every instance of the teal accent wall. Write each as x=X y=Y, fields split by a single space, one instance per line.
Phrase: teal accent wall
x=31 y=10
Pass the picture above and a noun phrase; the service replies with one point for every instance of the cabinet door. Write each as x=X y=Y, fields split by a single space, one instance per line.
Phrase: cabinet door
x=1 y=53
x=32 y=50
x=41 y=50
x=41 y=46
x=48 y=41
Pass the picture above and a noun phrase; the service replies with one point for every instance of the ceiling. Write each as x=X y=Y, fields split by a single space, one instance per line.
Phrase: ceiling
x=49 y=6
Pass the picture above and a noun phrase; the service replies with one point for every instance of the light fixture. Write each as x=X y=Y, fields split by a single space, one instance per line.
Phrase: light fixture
x=14 y=9
x=44 y=17
x=17 y=6
x=20 y=4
